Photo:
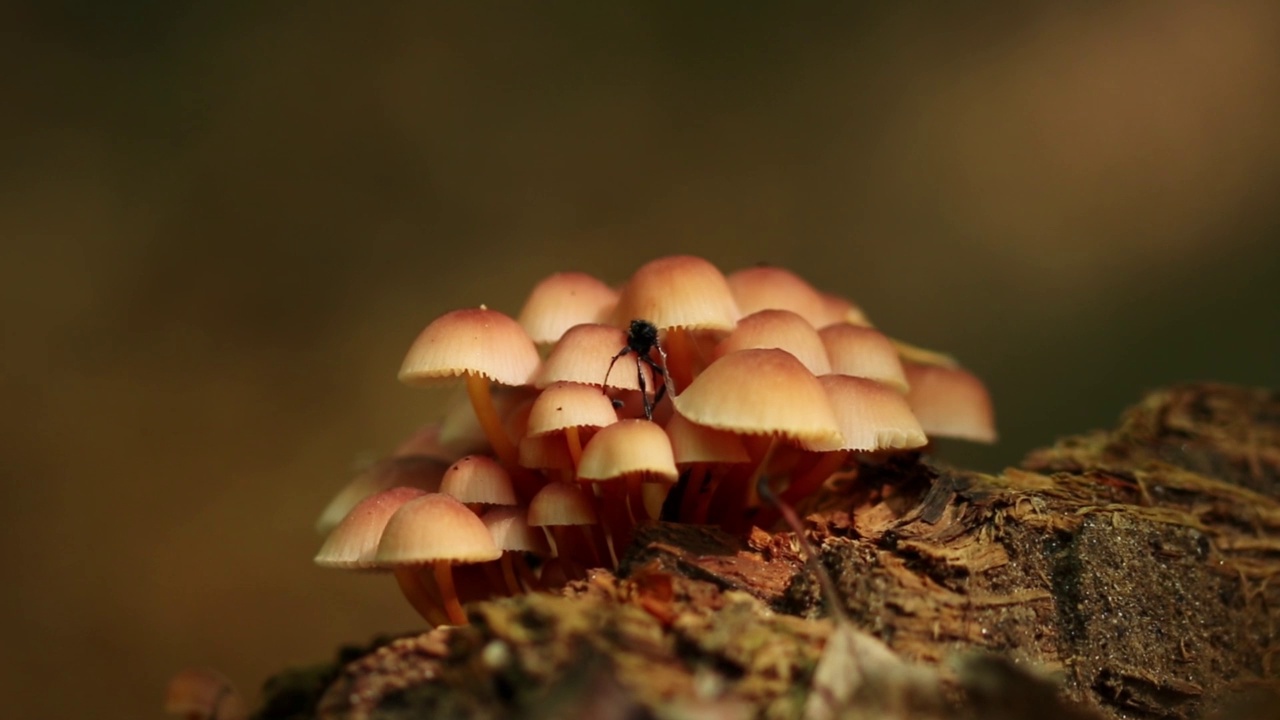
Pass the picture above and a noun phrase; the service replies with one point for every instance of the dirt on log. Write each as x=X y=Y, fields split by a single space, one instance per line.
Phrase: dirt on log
x=1121 y=574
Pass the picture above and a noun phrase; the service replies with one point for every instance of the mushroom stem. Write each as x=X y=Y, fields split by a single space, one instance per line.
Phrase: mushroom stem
x=487 y=414
x=448 y=595
x=574 y=441
x=420 y=594
x=809 y=482
x=509 y=575
x=614 y=515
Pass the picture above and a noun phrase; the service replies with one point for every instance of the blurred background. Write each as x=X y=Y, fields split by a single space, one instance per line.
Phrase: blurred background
x=223 y=224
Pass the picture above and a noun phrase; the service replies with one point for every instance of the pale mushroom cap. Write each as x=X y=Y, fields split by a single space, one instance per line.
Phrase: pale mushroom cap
x=951 y=402
x=509 y=527
x=565 y=405
x=583 y=354
x=693 y=443
x=863 y=352
x=204 y=693
x=839 y=310
x=872 y=416
x=475 y=341
x=354 y=542
x=766 y=287
x=628 y=447
x=923 y=356
x=561 y=503
x=563 y=300
x=435 y=528
x=479 y=479
x=761 y=392
x=782 y=329
x=417 y=471
x=680 y=291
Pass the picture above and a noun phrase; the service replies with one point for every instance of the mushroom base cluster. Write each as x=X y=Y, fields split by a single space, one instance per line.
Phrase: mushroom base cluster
x=677 y=396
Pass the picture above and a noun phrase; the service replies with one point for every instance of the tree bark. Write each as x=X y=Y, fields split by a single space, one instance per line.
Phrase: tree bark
x=1121 y=574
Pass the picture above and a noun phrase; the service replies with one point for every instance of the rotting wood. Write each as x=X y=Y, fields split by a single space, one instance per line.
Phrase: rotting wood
x=1129 y=573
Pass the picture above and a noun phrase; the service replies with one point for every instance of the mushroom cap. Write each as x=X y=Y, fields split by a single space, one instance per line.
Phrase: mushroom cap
x=679 y=291
x=951 y=402
x=474 y=341
x=765 y=287
x=626 y=448
x=565 y=404
x=204 y=693
x=353 y=543
x=782 y=329
x=479 y=479
x=435 y=528
x=763 y=391
x=863 y=352
x=511 y=532
x=923 y=356
x=417 y=471
x=583 y=354
x=840 y=310
x=561 y=503
x=872 y=416
x=424 y=441
x=560 y=301
x=693 y=443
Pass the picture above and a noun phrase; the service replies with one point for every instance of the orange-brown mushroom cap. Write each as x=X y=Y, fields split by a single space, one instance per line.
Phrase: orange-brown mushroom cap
x=872 y=416
x=435 y=528
x=562 y=300
x=766 y=287
x=353 y=544
x=582 y=356
x=510 y=529
x=680 y=291
x=474 y=341
x=569 y=405
x=479 y=479
x=951 y=402
x=863 y=352
x=627 y=448
x=761 y=392
x=782 y=329
x=693 y=443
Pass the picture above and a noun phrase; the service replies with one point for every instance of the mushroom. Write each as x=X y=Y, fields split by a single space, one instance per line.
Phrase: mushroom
x=863 y=352
x=679 y=295
x=417 y=471
x=623 y=456
x=560 y=506
x=483 y=346
x=566 y=409
x=353 y=545
x=510 y=530
x=204 y=694
x=780 y=329
x=563 y=300
x=950 y=402
x=763 y=394
x=479 y=480
x=702 y=452
x=765 y=287
x=438 y=531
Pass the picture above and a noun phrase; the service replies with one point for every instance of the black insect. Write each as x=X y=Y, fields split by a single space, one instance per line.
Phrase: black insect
x=642 y=339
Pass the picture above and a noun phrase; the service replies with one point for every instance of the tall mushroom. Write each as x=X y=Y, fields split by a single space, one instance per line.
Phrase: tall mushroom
x=483 y=346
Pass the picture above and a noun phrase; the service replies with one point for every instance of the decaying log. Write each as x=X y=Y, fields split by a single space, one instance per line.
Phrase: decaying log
x=1116 y=574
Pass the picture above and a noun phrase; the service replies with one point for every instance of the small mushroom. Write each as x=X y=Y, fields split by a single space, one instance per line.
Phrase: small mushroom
x=436 y=530
x=563 y=300
x=483 y=346
x=204 y=694
x=950 y=402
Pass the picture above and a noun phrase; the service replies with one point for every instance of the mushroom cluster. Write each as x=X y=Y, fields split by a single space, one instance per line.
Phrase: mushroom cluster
x=596 y=409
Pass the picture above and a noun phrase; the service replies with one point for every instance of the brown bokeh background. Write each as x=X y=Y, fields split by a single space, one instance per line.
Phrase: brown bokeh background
x=223 y=225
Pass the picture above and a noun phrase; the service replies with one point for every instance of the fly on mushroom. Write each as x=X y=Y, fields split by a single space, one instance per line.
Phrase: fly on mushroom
x=642 y=339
